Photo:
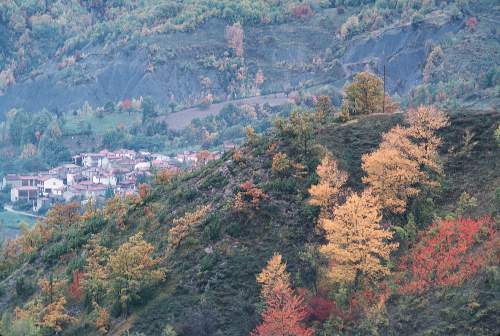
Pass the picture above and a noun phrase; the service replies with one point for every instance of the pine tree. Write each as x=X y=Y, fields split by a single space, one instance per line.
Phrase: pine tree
x=327 y=192
x=357 y=246
x=274 y=271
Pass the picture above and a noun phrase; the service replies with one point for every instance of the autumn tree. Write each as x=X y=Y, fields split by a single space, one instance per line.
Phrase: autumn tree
x=324 y=108
x=357 y=246
x=132 y=268
x=274 y=271
x=284 y=314
x=327 y=192
x=182 y=226
x=116 y=210
x=62 y=216
x=249 y=197
x=285 y=311
x=95 y=277
x=234 y=37
x=364 y=95
x=55 y=316
x=407 y=159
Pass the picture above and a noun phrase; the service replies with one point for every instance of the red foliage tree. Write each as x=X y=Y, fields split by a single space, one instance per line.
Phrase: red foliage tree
x=302 y=10
x=449 y=252
x=321 y=308
x=126 y=104
x=284 y=314
x=471 y=23
x=75 y=288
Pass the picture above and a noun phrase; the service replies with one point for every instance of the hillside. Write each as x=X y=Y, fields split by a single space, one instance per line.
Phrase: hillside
x=179 y=66
x=250 y=168
x=210 y=286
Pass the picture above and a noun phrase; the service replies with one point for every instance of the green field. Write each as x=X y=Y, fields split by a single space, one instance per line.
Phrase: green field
x=9 y=223
x=76 y=124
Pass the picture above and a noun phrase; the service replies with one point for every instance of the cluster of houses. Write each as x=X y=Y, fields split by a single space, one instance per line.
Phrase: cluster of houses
x=96 y=175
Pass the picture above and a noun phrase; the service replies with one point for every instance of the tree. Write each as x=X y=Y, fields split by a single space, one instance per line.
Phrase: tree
x=357 y=246
x=148 y=109
x=234 y=37
x=116 y=210
x=327 y=192
x=55 y=316
x=63 y=216
x=132 y=268
x=182 y=226
x=274 y=271
x=324 y=108
x=299 y=128
x=407 y=159
x=364 y=95
x=284 y=314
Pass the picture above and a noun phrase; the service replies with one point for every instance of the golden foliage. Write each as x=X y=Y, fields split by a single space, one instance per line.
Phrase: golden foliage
x=182 y=226
x=116 y=210
x=249 y=197
x=356 y=243
x=281 y=164
x=131 y=267
x=63 y=215
x=407 y=159
x=102 y=320
x=331 y=181
x=274 y=271
x=55 y=315
x=96 y=275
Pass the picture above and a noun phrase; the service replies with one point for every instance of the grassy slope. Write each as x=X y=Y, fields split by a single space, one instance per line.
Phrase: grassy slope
x=213 y=291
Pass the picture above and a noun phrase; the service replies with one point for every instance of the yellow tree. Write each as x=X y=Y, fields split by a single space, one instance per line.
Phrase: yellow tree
x=182 y=226
x=364 y=95
x=55 y=316
x=132 y=268
x=331 y=181
x=407 y=159
x=274 y=271
x=357 y=246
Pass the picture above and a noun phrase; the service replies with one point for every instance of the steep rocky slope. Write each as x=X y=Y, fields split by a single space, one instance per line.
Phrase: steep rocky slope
x=168 y=67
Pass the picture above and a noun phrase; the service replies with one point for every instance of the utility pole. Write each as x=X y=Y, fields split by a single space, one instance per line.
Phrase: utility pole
x=383 y=98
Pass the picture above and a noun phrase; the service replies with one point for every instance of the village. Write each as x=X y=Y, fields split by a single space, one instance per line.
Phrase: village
x=95 y=176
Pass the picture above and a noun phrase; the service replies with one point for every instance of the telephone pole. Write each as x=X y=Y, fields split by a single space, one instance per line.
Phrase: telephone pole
x=383 y=98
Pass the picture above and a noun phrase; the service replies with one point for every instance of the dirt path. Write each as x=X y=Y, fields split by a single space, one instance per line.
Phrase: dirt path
x=10 y=209
x=181 y=119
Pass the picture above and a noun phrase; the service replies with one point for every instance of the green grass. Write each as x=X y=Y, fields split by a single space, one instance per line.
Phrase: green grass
x=10 y=222
x=99 y=126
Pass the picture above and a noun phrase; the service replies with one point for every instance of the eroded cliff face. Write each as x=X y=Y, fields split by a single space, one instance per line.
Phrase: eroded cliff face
x=169 y=67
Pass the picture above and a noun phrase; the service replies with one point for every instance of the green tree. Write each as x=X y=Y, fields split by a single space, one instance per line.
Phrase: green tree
x=148 y=109
x=364 y=95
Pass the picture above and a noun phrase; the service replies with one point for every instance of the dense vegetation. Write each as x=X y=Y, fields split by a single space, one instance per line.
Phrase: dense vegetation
x=206 y=235
x=349 y=210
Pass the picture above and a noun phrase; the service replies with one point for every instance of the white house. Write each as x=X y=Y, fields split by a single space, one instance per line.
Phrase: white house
x=24 y=193
x=105 y=178
x=142 y=166
x=53 y=186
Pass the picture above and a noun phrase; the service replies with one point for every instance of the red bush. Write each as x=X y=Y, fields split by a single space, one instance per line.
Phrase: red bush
x=75 y=288
x=321 y=308
x=471 y=23
x=302 y=10
x=448 y=253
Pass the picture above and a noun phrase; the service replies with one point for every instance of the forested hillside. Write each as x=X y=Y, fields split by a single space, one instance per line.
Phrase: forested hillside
x=357 y=193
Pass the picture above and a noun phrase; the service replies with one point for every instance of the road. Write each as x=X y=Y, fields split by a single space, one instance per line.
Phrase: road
x=181 y=119
x=10 y=209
